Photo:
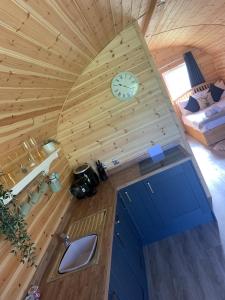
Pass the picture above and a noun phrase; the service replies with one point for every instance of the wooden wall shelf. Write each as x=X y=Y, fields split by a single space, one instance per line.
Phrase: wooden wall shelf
x=43 y=167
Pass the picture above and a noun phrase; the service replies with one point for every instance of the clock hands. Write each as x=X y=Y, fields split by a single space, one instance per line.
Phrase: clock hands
x=128 y=87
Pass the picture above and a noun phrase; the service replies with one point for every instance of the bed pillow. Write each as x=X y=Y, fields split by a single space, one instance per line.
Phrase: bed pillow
x=181 y=105
x=192 y=105
x=202 y=98
x=216 y=92
x=205 y=102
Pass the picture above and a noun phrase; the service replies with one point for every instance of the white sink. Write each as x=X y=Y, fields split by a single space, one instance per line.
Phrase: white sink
x=78 y=254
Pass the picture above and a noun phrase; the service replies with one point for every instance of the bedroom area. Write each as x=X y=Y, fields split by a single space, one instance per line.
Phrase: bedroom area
x=197 y=93
x=186 y=41
x=199 y=104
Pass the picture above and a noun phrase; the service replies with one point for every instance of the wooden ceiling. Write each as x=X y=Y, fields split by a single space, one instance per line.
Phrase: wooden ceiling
x=44 y=46
x=198 y=23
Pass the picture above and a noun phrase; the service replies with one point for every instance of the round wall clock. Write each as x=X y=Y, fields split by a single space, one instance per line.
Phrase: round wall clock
x=124 y=85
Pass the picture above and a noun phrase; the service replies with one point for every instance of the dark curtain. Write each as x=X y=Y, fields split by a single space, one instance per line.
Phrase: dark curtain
x=195 y=75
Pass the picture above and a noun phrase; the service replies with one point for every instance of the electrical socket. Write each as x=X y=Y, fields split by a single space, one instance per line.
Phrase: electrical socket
x=115 y=162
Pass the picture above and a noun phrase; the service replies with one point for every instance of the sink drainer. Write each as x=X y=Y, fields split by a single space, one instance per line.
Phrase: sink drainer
x=92 y=224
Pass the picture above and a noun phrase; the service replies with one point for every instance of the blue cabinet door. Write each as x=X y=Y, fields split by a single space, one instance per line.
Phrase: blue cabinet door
x=167 y=203
x=179 y=199
x=116 y=291
x=137 y=200
x=127 y=236
x=124 y=284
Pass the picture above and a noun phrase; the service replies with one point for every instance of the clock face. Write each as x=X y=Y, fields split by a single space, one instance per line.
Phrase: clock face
x=124 y=85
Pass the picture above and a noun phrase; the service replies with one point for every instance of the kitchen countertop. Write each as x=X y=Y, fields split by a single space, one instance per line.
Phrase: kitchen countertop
x=92 y=282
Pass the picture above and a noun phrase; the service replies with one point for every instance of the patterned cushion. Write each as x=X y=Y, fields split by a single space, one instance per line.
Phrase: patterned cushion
x=216 y=92
x=202 y=98
x=192 y=105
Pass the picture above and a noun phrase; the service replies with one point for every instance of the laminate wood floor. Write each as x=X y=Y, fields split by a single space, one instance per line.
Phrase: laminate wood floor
x=191 y=266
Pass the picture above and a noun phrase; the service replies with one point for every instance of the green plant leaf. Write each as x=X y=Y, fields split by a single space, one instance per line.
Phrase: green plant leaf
x=14 y=229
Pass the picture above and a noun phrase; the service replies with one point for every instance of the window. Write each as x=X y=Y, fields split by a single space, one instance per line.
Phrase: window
x=177 y=81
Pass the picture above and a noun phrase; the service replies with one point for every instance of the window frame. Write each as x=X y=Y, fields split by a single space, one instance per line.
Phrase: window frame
x=167 y=84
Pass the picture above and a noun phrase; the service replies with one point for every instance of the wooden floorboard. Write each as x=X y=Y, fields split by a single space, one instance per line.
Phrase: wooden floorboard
x=191 y=266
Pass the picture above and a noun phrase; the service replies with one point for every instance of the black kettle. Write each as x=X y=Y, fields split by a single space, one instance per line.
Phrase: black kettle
x=86 y=171
x=81 y=188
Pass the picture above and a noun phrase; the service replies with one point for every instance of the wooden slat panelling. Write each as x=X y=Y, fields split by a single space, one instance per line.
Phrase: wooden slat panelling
x=95 y=125
x=167 y=59
x=180 y=14
x=43 y=220
x=190 y=24
x=219 y=61
x=44 y=48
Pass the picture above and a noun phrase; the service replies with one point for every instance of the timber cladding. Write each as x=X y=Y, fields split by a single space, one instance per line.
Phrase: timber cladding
x=43 y=221
x=192 y=24
x=168 y=58
x=39 y=61
x=95 y=125
x=44 y=47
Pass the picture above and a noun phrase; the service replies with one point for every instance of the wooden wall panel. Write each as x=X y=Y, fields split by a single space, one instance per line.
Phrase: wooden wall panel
x=44 y=47
x=219 y=61
x=95 y=125
x=166 y=59
x=38 y=66
x=182 y=17
x=43 y=221
x=190 y=24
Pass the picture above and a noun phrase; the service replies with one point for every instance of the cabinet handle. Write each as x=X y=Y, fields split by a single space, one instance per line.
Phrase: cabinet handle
x=117 y=220
x=128 y=197
x=150 y=187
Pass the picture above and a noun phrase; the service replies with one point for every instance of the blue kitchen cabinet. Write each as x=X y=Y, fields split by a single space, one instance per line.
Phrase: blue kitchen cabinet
x=176 y=199
x=136 y=199
x=127 y=278
x=179 y=198
x=116 y=291
x=123 y=282
x=131 y=245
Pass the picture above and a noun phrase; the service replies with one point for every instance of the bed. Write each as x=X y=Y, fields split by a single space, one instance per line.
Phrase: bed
x=206 y=125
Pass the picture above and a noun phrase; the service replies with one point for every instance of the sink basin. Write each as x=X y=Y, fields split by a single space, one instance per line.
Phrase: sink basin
x=78 y=254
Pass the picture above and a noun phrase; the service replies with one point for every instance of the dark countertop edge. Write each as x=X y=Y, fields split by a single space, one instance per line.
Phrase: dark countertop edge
x=159 y=170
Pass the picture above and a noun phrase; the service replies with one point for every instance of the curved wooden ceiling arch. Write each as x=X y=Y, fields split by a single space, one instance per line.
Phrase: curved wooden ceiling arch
x=209 y=37
x=193 y=23
x=44 y=47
